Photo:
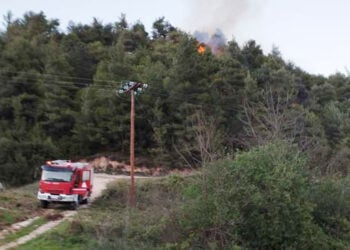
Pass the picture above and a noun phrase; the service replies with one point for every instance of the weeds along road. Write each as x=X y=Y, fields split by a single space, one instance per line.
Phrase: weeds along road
x=100 y=183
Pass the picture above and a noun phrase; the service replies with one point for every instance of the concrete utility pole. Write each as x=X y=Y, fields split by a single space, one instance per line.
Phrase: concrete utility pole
x=132 y=88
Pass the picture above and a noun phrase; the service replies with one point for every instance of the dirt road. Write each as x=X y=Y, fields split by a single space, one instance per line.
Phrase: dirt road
x=100 y=183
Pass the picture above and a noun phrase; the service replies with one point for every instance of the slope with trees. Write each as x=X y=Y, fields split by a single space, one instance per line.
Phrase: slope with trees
x=57 y=96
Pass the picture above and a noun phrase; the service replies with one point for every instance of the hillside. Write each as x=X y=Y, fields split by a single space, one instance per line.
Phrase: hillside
x=58 y=98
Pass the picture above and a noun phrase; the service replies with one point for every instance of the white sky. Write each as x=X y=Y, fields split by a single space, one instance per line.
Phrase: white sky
x=313 y=34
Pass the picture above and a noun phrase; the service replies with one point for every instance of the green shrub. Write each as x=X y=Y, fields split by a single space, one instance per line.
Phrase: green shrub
x=114 y=197
x=258 y=200
x=112 y=224
x=331 y=197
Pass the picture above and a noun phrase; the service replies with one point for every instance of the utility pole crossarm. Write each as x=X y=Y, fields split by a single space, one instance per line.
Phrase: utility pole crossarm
x=129 y=86
x=135 y=86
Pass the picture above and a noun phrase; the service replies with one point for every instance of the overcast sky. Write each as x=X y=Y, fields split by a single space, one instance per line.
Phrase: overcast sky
x=313 y=34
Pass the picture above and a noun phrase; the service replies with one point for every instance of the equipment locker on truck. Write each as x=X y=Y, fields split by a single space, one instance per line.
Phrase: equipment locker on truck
x=63 y=181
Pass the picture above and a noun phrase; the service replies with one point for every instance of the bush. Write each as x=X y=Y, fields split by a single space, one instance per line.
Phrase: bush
x=258 y=200
x=332 y=207
x=112 y=224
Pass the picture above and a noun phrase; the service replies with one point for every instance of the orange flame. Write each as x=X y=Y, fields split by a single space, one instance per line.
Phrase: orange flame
x=201 y=48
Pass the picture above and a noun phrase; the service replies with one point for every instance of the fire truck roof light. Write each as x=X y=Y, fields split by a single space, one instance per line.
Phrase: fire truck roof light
x=62 y=163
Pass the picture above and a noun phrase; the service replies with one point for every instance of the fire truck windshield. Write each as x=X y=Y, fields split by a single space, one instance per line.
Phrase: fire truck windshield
x=56 y=174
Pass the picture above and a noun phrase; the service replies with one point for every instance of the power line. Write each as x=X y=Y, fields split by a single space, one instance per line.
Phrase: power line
x=171 y=99
x=58 y=82
x=59 y=75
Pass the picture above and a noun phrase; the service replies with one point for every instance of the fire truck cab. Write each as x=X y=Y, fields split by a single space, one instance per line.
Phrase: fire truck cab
x=63 y=181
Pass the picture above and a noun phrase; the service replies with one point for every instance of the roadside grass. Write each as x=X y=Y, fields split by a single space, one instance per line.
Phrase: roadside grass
x=17 y=204
x=9 y=216
x=23 y=231
x=55 y=239
x=110 y=223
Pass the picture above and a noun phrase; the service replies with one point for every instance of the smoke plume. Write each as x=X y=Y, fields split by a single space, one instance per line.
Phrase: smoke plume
x=211 y=20
x=207 y=16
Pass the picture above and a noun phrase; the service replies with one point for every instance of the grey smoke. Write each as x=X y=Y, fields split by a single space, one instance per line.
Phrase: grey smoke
x=207 y=15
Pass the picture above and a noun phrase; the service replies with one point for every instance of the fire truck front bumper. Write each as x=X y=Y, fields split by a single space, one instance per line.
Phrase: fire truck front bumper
x=57 y=197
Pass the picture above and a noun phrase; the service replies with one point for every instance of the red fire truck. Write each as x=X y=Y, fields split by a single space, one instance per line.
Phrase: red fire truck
x=63 y=181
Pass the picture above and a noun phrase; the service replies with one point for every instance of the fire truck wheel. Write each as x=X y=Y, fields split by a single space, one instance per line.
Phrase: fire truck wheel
x=74 y=205
x=86 y=201
x=44 y=204
x=80 y=199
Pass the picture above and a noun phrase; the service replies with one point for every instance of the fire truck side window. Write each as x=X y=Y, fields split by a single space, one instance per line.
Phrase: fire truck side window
x=86 y=175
